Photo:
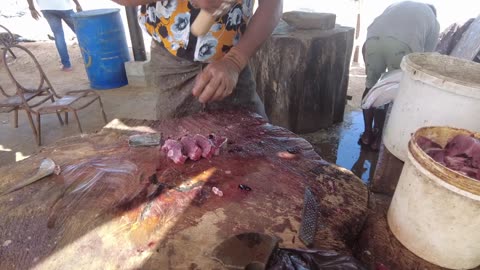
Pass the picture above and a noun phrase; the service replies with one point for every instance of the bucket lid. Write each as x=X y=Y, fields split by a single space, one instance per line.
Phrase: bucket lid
x=448 y=73
x=95 y=12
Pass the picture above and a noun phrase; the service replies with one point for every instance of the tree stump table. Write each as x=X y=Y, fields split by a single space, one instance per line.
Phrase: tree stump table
x=302 y=76
x=106 y=210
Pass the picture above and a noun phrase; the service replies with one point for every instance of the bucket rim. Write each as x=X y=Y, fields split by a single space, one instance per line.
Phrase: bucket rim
x=444 y=174
x=95 y=12
x=439 y=80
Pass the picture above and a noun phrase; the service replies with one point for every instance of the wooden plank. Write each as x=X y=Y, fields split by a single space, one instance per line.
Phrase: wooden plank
x=126 y=221
x=469 y=45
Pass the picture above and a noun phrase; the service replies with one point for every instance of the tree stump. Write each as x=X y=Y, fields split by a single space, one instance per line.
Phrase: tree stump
x=116 y=207
x=302 y=76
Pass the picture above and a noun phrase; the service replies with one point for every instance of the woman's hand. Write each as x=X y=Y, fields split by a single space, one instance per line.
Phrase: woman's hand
x=219 y=78
x=216 y=81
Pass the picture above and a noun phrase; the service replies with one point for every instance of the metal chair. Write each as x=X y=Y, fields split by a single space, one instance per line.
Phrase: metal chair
x=7 y=39
x=13 y=103
x=72 y=102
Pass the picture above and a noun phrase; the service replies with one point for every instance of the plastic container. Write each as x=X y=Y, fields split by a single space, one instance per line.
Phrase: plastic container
x=435 y=211
x=436 y=90
x=101 y=38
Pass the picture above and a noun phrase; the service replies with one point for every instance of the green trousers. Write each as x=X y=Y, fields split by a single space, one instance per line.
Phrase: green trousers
x=382 y=54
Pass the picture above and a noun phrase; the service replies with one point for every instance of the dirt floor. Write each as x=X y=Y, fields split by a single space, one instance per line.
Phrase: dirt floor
x=337 y=144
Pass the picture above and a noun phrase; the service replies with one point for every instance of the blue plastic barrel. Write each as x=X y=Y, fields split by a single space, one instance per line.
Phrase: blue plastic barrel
x=101 y=38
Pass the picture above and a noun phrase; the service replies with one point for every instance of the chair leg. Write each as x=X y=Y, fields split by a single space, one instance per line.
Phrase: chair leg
x=14 y=56
x=78 y=121
x=39 y=134
x=66 y=118
x=60 y=118
x=58 y=114
x=34 y=129
x=103 y=111
x=15 y=118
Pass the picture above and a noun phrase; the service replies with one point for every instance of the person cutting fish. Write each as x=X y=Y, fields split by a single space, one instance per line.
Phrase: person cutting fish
x=189 y=71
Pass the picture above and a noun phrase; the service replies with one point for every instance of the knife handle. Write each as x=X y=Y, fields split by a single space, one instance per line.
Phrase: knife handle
x=202 y=23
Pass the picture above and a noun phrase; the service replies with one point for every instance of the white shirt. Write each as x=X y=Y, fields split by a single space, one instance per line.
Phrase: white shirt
x=412 y=23
x=54 y=4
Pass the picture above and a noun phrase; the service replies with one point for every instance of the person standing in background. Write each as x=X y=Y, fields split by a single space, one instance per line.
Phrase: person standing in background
x=403 y=28
x=54 y=12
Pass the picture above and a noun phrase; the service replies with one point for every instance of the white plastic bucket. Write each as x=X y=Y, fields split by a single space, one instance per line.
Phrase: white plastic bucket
x=436 y=90
x=435 y=212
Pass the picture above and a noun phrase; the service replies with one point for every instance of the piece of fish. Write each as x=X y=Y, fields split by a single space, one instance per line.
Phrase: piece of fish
x=192 y=150
x=206 y=145
x=47 y=167
x=219 y=143
x=174 y=151
x=463 y=145
x=461 y=154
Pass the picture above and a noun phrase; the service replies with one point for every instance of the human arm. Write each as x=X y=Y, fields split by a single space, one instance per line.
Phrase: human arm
x=33 y=11
x=209 y=5
x=133 y=2
x=219 y=78
x=77 y=5
x=261 y=26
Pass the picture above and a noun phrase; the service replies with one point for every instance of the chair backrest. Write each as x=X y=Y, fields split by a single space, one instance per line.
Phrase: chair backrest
x=4 y=93
x=6 y=37
x=25 y=71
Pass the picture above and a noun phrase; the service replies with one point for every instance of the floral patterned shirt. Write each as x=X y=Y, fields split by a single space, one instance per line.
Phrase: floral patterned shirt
x=169 y=21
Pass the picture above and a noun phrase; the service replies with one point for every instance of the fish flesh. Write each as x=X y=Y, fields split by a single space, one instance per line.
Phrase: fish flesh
x=207 y=147
x=194 y=147
x=174 y=151
x=218 y=143
x=461 y=154
x=190 y=147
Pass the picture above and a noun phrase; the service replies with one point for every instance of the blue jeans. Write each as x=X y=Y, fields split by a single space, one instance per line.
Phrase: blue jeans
x=54 y=19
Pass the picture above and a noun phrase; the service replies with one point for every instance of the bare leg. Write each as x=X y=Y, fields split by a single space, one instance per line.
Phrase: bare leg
x=368 y=116
x=379 y=116
x=375 y=65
